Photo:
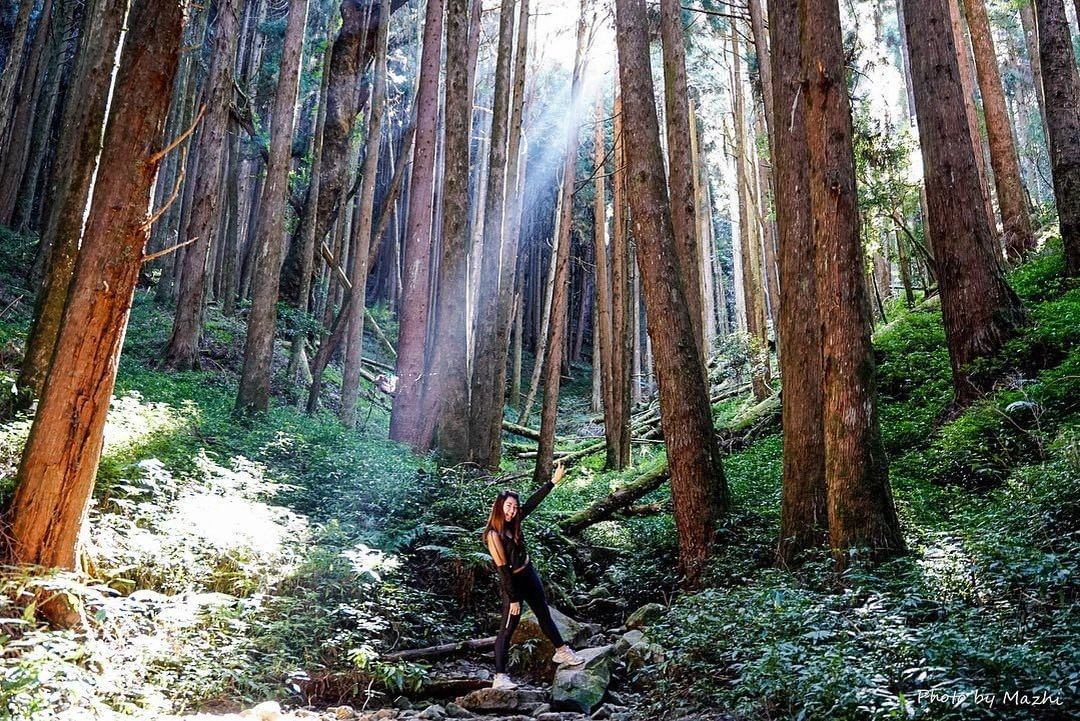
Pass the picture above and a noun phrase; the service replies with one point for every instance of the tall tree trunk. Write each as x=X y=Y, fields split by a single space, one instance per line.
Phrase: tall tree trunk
x=350 y=383
x=12 y=68
x=560 y=300
x=603 y=350
x=486 y=401
x=297 y=352
x=446 y=391
x=749 y=242
x=17 y=149
x=861 y=512
x=1031 y=40
x=622 y=345
x=681 y=166
x=1062 y=92
x=406 y=419
x=979 y=309
x=77 y=157
x=60 y=459
x=269 y=236
x=967 y=82
x=803 y=505
x=698 y=486
x=1012 y=200
x=515 y=179
x=182 y=351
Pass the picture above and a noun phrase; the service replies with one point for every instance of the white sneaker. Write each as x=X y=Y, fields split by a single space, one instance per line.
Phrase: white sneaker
x=503 y=681
x=569 y=657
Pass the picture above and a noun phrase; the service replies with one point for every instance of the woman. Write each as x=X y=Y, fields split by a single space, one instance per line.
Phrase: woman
x=518 y=579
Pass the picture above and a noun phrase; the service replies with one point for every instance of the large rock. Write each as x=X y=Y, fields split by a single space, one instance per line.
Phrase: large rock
x=537 y=663
x=486 y=700
x=627 y=640
x=646 y=615
x=581 y=688
x=643 y=653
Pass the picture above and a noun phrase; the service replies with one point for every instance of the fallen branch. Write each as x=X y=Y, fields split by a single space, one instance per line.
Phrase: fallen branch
x=441 y=650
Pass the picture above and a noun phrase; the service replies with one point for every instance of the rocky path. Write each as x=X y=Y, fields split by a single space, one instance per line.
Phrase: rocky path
x=604 y=687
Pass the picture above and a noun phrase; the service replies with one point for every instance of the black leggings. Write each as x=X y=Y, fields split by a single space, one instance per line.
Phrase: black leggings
x=528 y=587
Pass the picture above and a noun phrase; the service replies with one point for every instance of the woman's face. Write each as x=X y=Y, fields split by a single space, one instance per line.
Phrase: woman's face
x=510 y=508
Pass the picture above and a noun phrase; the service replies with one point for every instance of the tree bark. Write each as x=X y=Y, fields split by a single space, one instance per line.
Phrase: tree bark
x=406 y=419
x=515 y=178
x=486 y=399
x=979 y=309
x=182 y=351
x=17 y=149
x=1012 y=200
x=60 y=459
x=350 y=383
x=12 y=69
x=1061 y=89
x=803 y=505
x=749 y=241
x=699 y=489
x=621 y=326
x=77 y=157
x=446 y=391
x=269 y=236
x=860 y=507
x=680 y=165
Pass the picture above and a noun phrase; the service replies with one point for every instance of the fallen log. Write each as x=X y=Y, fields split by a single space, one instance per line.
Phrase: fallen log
x=519 y=430
x=441 y=650
x=625 y=496
x=747 y=427
x=383 y=340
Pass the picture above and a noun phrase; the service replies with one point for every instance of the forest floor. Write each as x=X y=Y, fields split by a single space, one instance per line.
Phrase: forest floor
x=239 y=561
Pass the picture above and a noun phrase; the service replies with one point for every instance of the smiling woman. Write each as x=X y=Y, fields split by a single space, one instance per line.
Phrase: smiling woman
x=518 y=579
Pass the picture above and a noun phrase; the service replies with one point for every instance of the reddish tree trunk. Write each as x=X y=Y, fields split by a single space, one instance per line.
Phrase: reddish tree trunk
x=979 y=309
x=1012 y=200
x=60 y=460
x=680 y=165
x=406 y=419
x=446 y=392
x=860 y=507
x=803 y=507
x=698 y=486
x=77 y=155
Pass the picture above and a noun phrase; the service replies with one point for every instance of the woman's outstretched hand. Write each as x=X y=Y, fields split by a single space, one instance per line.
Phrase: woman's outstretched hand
x=515 y=608
x=559 y=473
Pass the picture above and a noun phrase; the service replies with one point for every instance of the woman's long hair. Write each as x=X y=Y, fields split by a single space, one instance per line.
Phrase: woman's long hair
x=497 y=520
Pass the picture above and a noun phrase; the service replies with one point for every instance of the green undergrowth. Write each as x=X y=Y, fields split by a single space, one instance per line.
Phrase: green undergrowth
x=233 y=559
x=988 y=596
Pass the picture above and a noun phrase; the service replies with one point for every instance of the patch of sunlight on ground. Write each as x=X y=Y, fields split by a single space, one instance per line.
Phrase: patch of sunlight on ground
x=131 y=421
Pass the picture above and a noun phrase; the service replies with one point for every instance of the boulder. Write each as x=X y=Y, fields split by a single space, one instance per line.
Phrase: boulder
x=502 y=699
x=434 y=712
x=455 y=711
x=643 y=653
x=537 y=663
x=627 y=640
x=646 y=615
x=581 y=688
x=403 y=703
